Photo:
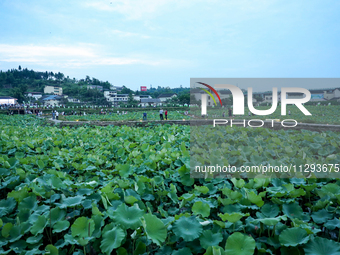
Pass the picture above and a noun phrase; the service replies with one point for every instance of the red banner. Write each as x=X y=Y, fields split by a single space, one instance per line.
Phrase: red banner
x=143 y=88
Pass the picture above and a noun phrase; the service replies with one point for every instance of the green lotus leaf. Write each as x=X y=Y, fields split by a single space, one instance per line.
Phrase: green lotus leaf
x=330 y=189
x=6 y=229
x=187 y=196
x=322 y=246
x=15 y=234
x=57 y=215
x=140 y=248
x=29 y=202
x=297 y=193
x=18 y=246
x=238 y=183
x=7 y=206
x=39 y=225
x=232 y=217
x=321 y=216
x=52 y=250
x=261 y=182
x=71 y=201
x=122 y=251
x=34 y=239
x=128 y=217
x=183 y=251
x=130 y=200
x=292 y=210
x=201 y=208
x=61 y=226
x=208 y=238
x=125 y=170
x=82 y=227
x=240 y=244
x=215 y=250
x=187 y=228
x=293 y=237
x=41 y=164
x=272 y=221
x=332 y=224
x=255 y=199
x=34 y=252
x=154 y=228
x=202 y=189
x=83 y=241
x=111 y=240
x=270 y=210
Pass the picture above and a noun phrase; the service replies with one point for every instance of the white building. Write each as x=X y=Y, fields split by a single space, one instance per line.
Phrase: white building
x=73 y=100
x=51 y=99
x=329 y=94
x=113 y=97
x=7 y=100
x=100 y=88
x=139 y=97
x=166 y=96
x=53 y=90
x=144 y=102
x=35 y=95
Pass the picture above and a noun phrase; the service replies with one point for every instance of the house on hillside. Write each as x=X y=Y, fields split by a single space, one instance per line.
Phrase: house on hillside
x=116 y=88
x=53 y=90
x=35 y=95
x=144 y=102
x=73 y=100
x=7 y=100
x=100 y=88
x=114 y=98
x=330 y=94
x=167 y=96
x=139 y=97
x=51 y=100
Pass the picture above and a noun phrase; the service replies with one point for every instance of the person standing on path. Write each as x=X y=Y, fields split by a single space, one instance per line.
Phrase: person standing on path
x=229 y=112
x=56 y=115
x=166 y=115
x=161 y=114
x=53 y=115
x=144 y=116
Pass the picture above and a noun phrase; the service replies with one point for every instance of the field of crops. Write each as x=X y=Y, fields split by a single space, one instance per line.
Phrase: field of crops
x=151 y=115
x=127 y=190
x=320 y=113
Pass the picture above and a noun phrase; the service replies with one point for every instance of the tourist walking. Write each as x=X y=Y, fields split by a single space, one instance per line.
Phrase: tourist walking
x=229 y=112
x=166 y=115
x=144 y=116
x=56 y=114
x=161 y=114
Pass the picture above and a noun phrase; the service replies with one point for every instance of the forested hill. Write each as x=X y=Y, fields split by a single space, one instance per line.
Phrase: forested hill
x=16 y=82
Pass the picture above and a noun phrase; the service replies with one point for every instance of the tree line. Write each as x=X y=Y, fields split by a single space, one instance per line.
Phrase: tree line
x=17 y=82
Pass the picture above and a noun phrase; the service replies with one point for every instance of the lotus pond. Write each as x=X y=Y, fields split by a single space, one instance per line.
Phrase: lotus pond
x=151 y=115
x=126 y=190
x=326 y=114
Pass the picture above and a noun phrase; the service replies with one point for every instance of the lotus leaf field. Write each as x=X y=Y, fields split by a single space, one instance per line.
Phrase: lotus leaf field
x=326 y=114
x=151 y=115
x=127 y=190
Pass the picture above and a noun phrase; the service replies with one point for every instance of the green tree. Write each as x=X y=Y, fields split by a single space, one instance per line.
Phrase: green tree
x=184 y=98
x=132 y=101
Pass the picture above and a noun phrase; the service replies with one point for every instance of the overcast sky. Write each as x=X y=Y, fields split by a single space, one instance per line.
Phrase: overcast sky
x=166 y=42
